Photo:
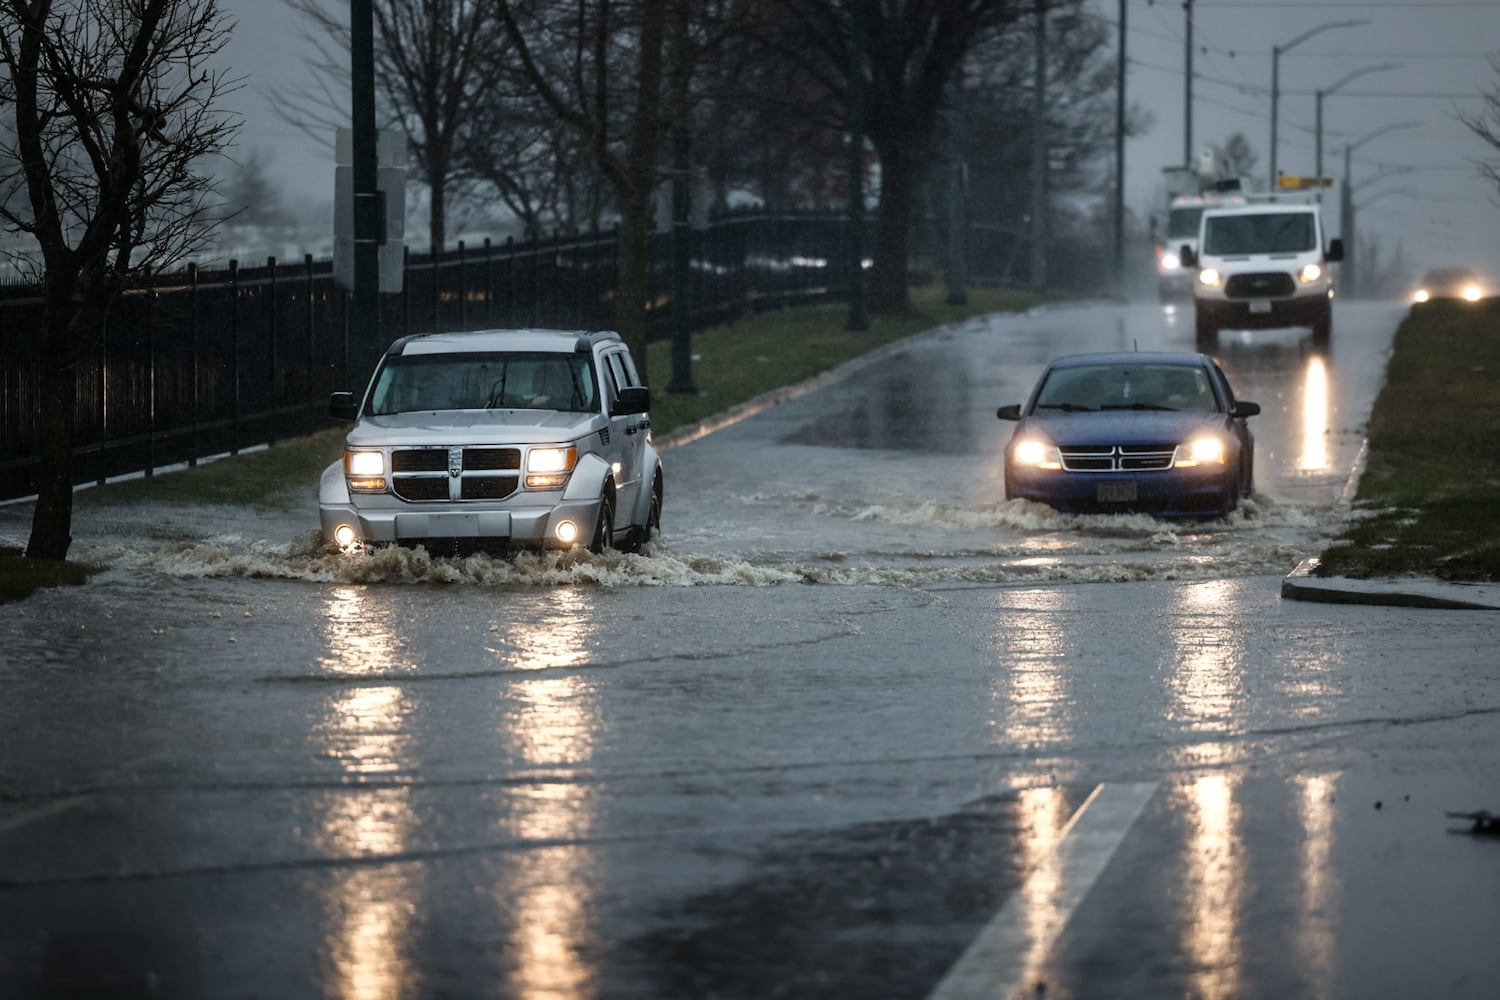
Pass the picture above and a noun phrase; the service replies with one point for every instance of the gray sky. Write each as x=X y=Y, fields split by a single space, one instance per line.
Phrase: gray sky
x=1440 y=209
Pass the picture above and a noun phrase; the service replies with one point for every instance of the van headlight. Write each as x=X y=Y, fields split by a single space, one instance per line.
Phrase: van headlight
x=1210 y=277
x=1310 y=273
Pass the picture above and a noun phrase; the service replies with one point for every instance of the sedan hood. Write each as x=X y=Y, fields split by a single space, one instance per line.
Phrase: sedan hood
x=1121 y=426
x=460 y=427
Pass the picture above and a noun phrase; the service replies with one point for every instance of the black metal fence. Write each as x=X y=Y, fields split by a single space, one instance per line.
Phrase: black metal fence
x=209 y=362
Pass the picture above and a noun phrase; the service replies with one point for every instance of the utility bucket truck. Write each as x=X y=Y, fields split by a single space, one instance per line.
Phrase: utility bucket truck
x=1190 y=190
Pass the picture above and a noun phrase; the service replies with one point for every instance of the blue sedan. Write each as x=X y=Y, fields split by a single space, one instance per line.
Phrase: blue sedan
x=1160 y=433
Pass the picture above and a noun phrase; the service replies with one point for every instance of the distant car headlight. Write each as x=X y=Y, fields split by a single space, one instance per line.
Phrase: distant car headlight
x=1170 y=261
x=1421 y=295
x=1211 y=277
x=1473 y=293
x=549 y=468
x=1037 y=454
x=1206 y=450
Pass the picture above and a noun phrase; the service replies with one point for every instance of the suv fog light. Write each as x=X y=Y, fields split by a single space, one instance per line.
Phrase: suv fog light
x=345 y=535
x=566 y=532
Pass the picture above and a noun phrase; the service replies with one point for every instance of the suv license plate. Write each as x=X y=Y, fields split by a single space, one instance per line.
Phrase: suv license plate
x=1261 y=307
x=1117 y=492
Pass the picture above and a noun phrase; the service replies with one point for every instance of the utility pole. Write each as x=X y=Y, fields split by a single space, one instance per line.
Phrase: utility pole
x=1118 y=233
x=859 y=317
x=368 y=225
x=1039 y=154
x=1187 y=99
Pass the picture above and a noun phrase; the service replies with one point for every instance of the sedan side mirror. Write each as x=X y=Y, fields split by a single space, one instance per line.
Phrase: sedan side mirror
x=1011 y=412
x=1188 y=256
x=343 y=406
x=1243 y=410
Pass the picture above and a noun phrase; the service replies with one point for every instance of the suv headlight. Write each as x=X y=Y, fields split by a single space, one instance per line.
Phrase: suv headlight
x=549 y=468
x=365 y=470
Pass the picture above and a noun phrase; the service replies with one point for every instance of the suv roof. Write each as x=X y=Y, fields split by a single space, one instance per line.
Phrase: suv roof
x=458 y=342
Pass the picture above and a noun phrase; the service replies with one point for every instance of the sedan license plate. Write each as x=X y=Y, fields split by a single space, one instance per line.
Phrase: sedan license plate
x=1117 y=492
x=1260 y=306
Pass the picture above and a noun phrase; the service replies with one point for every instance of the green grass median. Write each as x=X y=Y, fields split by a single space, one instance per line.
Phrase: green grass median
x=1428 y=503
x=731 y=364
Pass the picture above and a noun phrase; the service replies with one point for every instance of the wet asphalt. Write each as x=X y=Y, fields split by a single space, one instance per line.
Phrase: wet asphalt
x=783 y=755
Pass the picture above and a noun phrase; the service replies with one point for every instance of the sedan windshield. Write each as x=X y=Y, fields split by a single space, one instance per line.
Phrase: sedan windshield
x=1085 y=388
x=519 y=380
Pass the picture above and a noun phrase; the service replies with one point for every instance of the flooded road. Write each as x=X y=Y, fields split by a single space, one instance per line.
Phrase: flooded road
x=854 y=727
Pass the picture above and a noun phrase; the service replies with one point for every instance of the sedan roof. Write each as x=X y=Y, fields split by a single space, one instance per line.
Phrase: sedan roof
x=1133 y=358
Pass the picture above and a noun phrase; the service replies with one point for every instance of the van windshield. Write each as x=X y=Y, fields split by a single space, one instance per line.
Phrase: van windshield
x=1265 y=232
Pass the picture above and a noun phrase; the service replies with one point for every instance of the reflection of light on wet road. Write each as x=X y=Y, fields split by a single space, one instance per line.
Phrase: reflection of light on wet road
x=1204 y=685
x=1315 y=417
x=367 y=730
x=1047 y=817
x=551 y=722
x=1315 y=938
x=1213 y=879
x=1032 y=694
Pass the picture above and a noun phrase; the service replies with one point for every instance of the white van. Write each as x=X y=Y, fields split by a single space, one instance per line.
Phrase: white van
x=1261 y=266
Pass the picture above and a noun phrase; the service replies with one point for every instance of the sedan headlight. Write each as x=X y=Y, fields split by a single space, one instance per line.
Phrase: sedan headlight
x=1421 y=295
x=1310 y=273
x=1036 y=454
x=1206 y=450
x=365 y=469
x=1211 y=277
x=549 y=468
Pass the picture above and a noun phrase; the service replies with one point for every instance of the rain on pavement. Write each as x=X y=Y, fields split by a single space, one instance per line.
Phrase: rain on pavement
x=828 y=737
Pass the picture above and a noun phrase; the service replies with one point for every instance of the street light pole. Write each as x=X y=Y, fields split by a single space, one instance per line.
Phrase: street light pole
x=1276 y=51
x=1318 y=122
x=1346 y=205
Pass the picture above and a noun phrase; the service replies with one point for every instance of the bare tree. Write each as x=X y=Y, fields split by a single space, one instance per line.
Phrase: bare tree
x=111 y=108
x=435 y=65
x=597 y=66
x=1485 y=123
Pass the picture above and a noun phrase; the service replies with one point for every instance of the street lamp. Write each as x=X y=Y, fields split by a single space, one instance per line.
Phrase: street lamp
x=1276 y=51
x=1318 y=118
x=1346 y=202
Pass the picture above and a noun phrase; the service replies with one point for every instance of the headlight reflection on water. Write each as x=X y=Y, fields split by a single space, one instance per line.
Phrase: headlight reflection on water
x=1316 y=417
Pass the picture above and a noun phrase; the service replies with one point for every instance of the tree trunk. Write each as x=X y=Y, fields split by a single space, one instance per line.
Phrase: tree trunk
x=437 y=222
x=52 y=520
x=640 y=181
x=889 y=294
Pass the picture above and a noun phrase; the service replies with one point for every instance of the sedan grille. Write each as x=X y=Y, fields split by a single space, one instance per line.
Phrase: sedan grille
x=1117 y=458
x=427 y=475
x=1266 y=284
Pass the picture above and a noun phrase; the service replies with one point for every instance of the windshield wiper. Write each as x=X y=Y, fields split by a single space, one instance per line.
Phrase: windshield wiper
x=497 y=391
x=1066 y=407
x=1141 y=406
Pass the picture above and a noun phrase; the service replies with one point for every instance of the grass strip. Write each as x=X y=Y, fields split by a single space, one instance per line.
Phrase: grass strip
x=1429 y=499
x=731 y=364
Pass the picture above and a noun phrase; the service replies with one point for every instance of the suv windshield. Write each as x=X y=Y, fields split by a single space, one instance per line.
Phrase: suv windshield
x=511 y=380
x=1264 y=232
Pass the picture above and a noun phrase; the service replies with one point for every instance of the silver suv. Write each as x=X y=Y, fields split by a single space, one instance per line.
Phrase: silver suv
x=496 y=440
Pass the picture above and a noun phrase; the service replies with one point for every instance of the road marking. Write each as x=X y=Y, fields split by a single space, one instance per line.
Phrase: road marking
x=1004 y=959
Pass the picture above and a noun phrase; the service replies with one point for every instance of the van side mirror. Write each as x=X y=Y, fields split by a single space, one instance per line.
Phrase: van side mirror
x=1188 y=256
x=1335 y=250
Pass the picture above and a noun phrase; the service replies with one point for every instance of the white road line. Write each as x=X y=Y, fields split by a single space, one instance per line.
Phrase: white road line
x=1004 y=959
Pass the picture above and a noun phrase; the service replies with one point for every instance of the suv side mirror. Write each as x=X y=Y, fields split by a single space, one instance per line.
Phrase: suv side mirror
x=1188 y=256
x=343 y=406
x=1011 y=412
x=1335 y=250
x=636 y=399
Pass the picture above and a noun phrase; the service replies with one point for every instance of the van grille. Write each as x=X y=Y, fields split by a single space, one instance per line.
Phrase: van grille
x=1262 y=285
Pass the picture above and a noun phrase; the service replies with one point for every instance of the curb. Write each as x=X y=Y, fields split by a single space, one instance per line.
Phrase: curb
x=1302 y=585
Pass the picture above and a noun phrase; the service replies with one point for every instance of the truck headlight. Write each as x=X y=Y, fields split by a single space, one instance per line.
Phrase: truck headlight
x=549 y=468
x=1036 y=454
x=1206 y=450
x=1170 y=261
x=1310 y=273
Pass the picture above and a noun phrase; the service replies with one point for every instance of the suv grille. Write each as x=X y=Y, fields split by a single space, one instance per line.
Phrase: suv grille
x=422 y=474
x=1266 y=284
x=1117 y=458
